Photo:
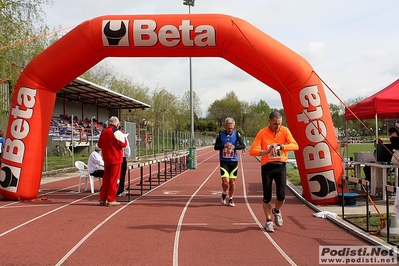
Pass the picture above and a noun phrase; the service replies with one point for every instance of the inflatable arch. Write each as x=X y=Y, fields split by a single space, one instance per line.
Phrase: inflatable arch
x=206 y=35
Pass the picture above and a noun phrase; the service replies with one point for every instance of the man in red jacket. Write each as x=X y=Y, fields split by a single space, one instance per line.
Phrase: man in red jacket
x=112 y=141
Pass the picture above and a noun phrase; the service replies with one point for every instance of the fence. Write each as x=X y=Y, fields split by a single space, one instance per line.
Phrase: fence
x=344 y=197
x=154 y=172
x=157 y=141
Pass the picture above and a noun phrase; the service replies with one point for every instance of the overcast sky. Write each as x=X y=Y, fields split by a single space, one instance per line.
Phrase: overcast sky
x=352 y=45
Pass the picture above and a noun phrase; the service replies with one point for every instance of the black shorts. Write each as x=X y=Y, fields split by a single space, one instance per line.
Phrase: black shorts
x=228 y=169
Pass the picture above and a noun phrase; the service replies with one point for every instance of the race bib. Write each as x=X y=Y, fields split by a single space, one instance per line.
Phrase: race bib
x=228 y=153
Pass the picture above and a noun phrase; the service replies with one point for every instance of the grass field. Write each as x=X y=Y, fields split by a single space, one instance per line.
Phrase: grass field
x=61 y=162
x=293 y=174
x=357 y=147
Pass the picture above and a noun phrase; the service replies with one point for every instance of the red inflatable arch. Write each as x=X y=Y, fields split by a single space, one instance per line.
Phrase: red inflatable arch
x=209 y=35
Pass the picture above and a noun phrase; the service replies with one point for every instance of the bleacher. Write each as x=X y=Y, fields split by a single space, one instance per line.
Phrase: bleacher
x=79 y=132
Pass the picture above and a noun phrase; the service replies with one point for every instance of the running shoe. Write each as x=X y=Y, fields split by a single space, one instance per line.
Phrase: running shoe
x=103 y=203
x=269 y=226
x=278 y=218
x=113 y=203
x=122 y=194
x=231 y=203
x=223 y=199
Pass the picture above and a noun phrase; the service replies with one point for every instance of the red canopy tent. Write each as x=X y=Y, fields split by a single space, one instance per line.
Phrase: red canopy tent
x=383 y=104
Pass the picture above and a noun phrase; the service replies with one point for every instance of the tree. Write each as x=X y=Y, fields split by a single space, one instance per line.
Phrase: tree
x=337 y=115
x=229 y=106
x=258 y=117
x=22 y=31
x=185 y=99
x=355 y=125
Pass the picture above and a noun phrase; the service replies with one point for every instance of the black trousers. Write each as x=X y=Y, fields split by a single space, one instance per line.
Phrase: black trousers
x=121 y=187
x=98 y=173
x=274 y=171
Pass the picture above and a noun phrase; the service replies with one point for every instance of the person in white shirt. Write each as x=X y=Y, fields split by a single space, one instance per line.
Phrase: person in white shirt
x=95 y=164
x=126 y=154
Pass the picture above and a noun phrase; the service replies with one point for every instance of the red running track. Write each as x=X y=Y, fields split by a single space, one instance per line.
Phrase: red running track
x=180 y=222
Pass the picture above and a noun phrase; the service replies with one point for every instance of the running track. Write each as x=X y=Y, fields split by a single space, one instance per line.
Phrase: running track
x=180 y=222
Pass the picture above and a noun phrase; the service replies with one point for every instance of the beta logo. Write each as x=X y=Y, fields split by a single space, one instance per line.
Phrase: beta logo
x=322 y=185
x=146 y=33
x=115 y=32
x=171 y=36
x=9 y=177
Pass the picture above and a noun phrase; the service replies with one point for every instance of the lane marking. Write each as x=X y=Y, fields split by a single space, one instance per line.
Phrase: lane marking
x=171 y=192
x=73 y=249
x=287 y=258
x=220 y=224
x=179 y=224
x=40 y=216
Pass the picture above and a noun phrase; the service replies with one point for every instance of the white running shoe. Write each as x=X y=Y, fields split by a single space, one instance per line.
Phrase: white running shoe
x=231 y=203
x=269 y=227
x=278 y=218
x=223 y=199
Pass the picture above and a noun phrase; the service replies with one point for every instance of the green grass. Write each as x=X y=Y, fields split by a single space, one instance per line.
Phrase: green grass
x=358 y=147
x=61 y=162
x=374 y=220
x=293 y=174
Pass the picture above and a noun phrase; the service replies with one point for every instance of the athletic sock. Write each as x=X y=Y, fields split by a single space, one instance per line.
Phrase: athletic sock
x=276 y=211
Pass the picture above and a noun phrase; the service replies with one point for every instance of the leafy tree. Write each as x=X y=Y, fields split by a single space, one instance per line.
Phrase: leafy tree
x=22 y=31
x=337 y=116
x=185 y=100
x=229 y=106
x=257 y=117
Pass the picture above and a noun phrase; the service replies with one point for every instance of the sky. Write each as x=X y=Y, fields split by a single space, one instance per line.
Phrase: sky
x=352 y=45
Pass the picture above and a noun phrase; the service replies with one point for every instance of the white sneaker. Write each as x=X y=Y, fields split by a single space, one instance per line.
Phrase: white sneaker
x=231 y=203
x=278 y=218
x=269 y=226
x=223 y=199
x=122 y=194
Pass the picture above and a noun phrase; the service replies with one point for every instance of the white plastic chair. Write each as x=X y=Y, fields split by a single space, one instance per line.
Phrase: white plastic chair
x=84 y=174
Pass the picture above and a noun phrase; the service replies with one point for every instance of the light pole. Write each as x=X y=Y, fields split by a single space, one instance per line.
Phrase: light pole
x=190 y=3
x=92 y=130
x=163 y=128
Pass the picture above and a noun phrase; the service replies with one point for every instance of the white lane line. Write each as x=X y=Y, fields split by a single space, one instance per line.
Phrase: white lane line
x=287 y=258
x=179 y=224
x=73 y=249
x=41 y=216
x=244 y=223
x=212 y=224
